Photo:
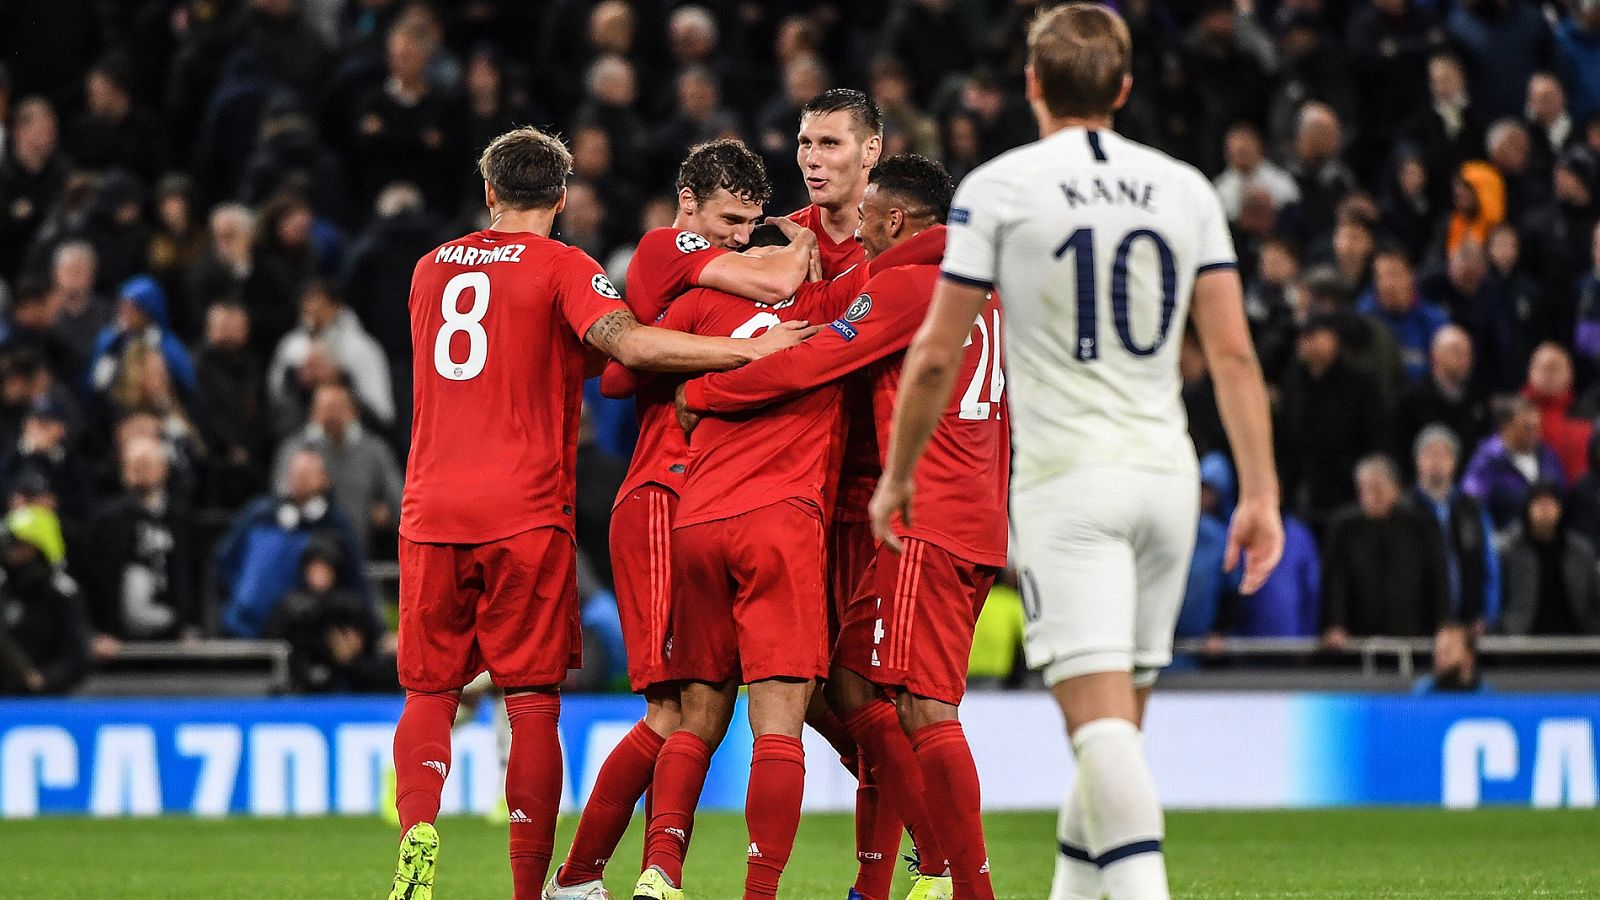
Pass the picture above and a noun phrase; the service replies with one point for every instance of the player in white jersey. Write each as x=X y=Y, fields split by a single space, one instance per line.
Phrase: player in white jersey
x=1097 y=245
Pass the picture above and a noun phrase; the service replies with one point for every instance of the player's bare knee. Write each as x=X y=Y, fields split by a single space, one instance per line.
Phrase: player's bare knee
x=706 y=710
x=919 y=712
x=1097 y=695
x=778 y=706
x=847 y=692
x=663 y=720
x=663 y=712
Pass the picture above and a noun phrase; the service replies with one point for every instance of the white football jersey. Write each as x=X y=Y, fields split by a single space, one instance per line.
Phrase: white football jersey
x=1094 y=243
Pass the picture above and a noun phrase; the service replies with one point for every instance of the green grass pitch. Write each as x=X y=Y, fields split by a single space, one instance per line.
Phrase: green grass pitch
x=1346 y=853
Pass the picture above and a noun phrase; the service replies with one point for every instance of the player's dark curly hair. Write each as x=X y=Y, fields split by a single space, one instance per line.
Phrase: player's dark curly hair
x=527 y=167
x=918 y=180
x=725 y=163
x=862 y=110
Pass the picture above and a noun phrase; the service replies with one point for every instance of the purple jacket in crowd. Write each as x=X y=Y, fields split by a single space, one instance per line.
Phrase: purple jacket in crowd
x=1500 y=486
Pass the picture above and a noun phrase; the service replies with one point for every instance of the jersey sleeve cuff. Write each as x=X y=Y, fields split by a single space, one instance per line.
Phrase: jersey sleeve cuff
x=694 y=396
x=967 y=280
x=1217 y=266
x=597 y=315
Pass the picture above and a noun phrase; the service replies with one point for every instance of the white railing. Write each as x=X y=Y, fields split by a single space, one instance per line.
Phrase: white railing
x=1403 y=651
x=274 y=654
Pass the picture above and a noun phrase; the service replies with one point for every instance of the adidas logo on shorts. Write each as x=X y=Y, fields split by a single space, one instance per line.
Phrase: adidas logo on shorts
x=437 y=766
x=518 y=817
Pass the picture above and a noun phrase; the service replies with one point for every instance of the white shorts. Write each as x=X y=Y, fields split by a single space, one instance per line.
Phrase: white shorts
x=1103 y=556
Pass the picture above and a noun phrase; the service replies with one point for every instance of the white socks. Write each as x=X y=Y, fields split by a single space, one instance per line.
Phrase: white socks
x=1123 y=828
x=1077 y=876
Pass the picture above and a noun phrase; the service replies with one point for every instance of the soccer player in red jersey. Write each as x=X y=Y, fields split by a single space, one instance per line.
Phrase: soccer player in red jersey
x=909 y=626
x=749 y=536
x=841 y=136
x=500 y=320
x=722 y=186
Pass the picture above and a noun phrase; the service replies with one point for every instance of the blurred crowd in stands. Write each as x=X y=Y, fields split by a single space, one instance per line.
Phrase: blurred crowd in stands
x=210 y=210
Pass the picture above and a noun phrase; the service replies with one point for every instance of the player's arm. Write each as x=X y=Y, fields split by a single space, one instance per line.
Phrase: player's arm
x=1219 y=321
x=841 y=347
x=765 y=278
x=619 y=335
x=618 y=382
x=593 y=308
x=926 y=381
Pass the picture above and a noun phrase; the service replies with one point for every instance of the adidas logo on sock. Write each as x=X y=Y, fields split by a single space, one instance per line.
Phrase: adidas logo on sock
x=754 y=850
x=437 y=766
x=678 y=833
x=984 y=869
x=518 y=817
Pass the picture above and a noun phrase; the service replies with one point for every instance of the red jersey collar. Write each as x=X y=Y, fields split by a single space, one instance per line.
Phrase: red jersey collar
x=926 y=248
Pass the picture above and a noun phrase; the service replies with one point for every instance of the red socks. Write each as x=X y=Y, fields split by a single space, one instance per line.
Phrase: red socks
x=877 y=838
x=680 y=774
x=876 y=727
x=617 y=788
x=947 y=767
x=878 y=826
x=772 y=810
x=422 y=755
x=533 y=787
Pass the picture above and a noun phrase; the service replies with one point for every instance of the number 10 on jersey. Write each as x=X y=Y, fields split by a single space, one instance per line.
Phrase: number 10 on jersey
x=1081 y=246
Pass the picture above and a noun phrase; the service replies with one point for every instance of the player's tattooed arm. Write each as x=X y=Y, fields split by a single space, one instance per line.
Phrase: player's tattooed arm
x=620 y=336
x=604 y=333
x=766 y=277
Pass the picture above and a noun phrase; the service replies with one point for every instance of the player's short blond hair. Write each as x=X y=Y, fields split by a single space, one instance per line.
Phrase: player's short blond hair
x=1080 y=54
x=527 y=167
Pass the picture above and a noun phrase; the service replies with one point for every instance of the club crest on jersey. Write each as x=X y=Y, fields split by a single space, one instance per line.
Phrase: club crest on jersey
x=602 y=286
x=689 y=242
x=859 y=308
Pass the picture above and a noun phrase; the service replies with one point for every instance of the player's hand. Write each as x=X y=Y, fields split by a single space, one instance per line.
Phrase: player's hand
x=782 y=336
x=1336 y=638
x=891 y=497
x=794 y=231
x=687 y=420
x=1257 y=532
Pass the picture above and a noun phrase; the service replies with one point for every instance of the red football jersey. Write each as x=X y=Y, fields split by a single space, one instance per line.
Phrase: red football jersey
x=963 y=479
x=665 y=264
x=497 y=326
x=787 y=451
x=837 y=256
x=858 y=475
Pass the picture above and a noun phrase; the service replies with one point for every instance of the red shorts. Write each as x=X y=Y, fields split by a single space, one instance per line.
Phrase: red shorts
x=850 y=550
x=910 y=625
x=509 y=606
x=750 y=600
x=641 y=565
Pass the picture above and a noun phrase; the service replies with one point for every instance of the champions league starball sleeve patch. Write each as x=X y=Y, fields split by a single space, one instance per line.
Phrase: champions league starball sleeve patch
x=689 y=242
x=602 y=286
